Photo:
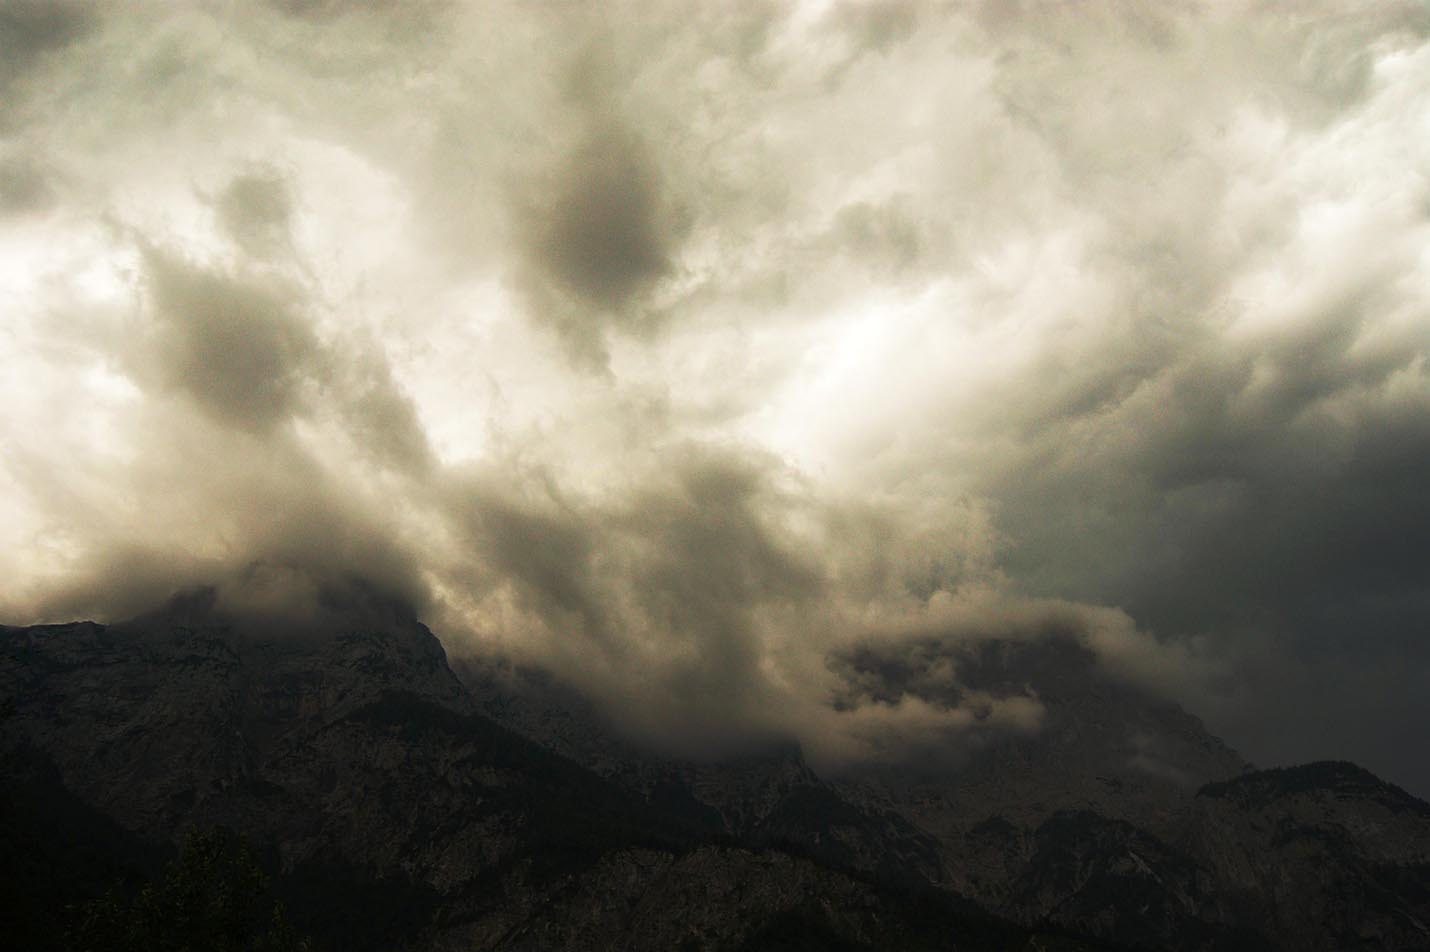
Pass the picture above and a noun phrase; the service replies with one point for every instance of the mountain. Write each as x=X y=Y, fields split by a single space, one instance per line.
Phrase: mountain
x=391 y=811
x=768 y=795
x=1108 y=821
x=399 y=803
x=1324 y=855
x=1123 y=817
x=1102 y=745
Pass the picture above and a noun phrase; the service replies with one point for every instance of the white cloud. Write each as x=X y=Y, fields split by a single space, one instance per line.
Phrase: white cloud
x=1107 y=305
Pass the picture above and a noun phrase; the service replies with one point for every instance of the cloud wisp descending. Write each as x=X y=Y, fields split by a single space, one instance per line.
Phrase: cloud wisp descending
x=721 y=356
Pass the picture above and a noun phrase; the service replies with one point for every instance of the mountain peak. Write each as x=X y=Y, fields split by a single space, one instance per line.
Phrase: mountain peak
x=349 y=749
x=1333 y=778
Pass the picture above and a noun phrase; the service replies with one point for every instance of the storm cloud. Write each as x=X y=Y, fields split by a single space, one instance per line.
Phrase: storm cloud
x=602 y=238
x=32 y=29
x=747 y=365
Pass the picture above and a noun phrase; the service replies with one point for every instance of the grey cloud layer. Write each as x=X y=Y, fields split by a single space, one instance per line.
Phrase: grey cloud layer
x=236 y=350
x=32 y=29
x=728 y=358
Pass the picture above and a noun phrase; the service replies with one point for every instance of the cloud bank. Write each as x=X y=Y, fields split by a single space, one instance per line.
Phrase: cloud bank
x=720 y=356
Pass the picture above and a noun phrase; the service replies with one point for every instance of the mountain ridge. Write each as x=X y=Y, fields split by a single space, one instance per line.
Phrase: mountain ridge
x=475 y=813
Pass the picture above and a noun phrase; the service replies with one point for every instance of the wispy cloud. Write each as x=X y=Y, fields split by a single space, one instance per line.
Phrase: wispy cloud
x=701 y=351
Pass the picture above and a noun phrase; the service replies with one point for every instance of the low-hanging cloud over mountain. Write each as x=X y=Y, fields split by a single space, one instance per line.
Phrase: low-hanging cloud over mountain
x=742 y=362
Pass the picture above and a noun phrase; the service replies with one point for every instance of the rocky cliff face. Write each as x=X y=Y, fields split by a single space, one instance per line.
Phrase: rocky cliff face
x=1325 y=856
x=394 y=812
x=159 y=721
x=1102 y=746
x=355 y=756
x=1122 y=817
x=766 y=795
x=400 y=806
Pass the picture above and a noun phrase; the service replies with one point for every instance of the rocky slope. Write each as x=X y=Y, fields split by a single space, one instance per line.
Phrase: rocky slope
x=1122 y=817
x=1111 y=820
x=401 y=807
x=1324 y=856
x=394 y=813
x=1102 y=746
x=768 y=795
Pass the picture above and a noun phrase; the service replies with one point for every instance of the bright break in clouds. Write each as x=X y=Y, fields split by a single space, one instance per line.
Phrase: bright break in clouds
x=744 y=363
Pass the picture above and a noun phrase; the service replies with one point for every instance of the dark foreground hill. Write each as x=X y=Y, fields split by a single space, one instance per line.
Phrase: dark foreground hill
x=389 y=812
x=393 y=806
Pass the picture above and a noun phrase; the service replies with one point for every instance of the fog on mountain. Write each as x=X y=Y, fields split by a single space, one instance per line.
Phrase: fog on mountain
x=812 y=475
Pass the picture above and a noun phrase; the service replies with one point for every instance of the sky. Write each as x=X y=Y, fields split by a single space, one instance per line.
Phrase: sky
x=685 y=349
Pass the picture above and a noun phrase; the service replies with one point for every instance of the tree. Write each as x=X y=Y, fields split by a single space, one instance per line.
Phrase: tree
x=213 y=898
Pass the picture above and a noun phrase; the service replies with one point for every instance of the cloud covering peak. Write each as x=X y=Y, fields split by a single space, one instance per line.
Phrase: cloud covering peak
x=733 y=359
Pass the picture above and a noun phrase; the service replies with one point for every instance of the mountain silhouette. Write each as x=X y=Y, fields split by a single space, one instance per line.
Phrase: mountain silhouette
x=394 y=802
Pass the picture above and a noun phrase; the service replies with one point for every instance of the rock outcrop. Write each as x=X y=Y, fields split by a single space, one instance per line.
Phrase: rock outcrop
x=400 y=806
x=394 y=813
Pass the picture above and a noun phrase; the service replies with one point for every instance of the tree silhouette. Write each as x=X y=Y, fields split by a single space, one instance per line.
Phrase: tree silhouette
x=213 y=898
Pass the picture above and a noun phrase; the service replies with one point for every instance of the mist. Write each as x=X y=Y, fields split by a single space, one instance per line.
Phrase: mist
x=744 y=365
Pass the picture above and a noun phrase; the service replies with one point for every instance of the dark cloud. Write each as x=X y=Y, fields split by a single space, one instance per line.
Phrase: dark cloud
x=944 y=670
x=245 y=352
x=24 y=187
x=255 y=210
x=1320 y=550
x=957 y=713
x=886 y=233
x=237 y=348
x=711 y=559
x=875 y=675
x=931 y=701
x=605 y=238
x=543 y=546
x=32 y=34
x=220 y=487
x=379 y=413
x=317 y=8
x=603 y=234
x=909 y=322
x=29 y=29
x=121 y=580
x=1266 y=499
x=879 y=25
x=653 y=601
x=326 y=9
x=270 y=602
x=271 y=529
